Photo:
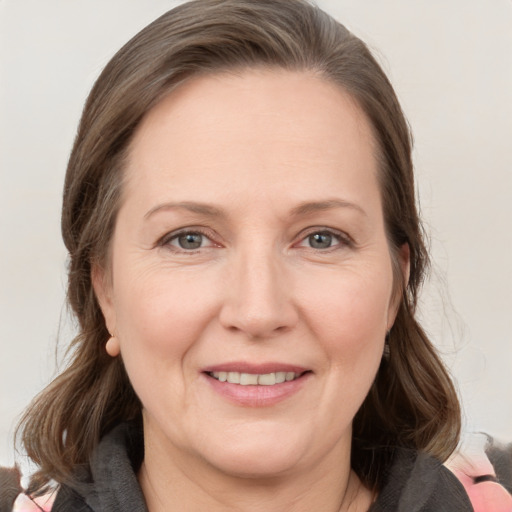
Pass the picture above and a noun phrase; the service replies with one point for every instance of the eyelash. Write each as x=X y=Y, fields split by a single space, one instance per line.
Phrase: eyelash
x=341 y=239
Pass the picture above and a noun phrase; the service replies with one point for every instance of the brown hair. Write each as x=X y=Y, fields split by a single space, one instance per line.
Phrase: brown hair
x=412 y=402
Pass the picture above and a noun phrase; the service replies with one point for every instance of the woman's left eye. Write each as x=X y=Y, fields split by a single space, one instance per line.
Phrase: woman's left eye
x=322 y=240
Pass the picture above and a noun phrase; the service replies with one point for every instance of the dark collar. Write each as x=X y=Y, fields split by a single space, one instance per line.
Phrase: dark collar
x=416 y=482
x=413 y=483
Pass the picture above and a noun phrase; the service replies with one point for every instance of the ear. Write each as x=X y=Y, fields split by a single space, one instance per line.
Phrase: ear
x=404 y=264
x=102 y=285
x=404 y=258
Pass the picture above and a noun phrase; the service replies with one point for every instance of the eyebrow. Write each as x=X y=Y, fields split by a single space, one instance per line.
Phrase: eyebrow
x=315 y=206
x=304 y=208
x=200 y=208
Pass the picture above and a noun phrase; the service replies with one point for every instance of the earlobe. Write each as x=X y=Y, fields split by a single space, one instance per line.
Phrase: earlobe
x=103 y=291
x=112 y=347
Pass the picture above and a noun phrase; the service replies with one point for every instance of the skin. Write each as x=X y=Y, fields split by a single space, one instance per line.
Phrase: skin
x=280 y=156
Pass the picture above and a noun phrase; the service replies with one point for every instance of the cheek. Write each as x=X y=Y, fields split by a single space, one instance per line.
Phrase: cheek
x=160 y=319
x=351 y=310
x=346 y=313
x=349 y=323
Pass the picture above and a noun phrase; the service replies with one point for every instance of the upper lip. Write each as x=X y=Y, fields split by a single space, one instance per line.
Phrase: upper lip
x=254 y=368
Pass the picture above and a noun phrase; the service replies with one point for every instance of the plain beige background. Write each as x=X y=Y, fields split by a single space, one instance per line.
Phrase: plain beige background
x=451 y=64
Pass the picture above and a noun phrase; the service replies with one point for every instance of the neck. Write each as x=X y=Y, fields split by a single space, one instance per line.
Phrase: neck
x=180 y=485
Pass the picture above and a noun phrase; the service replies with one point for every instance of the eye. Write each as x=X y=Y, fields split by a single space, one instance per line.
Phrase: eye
x=320 y=240
x=187 y=241
x=323 y=239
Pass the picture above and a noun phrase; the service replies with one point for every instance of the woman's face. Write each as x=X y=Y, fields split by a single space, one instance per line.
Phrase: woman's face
x=250 y=246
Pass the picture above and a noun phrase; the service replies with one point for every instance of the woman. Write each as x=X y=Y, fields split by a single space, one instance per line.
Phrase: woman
x=245 y=260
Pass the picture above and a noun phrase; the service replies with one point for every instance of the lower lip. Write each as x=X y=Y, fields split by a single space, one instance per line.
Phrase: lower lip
x=257 y=396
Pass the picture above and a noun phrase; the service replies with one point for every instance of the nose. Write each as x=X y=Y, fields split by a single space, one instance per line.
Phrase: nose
x=259 y=297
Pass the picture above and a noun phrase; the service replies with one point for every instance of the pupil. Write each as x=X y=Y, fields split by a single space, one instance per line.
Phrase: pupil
x=190 y=241
x=320 y=240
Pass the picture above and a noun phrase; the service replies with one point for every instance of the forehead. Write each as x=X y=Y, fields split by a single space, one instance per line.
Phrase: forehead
x=253 y=128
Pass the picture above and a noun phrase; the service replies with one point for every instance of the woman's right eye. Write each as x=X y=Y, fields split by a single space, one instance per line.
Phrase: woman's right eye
x=187 y=241
x=190 y=240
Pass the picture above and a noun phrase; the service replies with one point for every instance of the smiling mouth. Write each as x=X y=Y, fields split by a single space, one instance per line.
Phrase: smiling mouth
x=255 y=379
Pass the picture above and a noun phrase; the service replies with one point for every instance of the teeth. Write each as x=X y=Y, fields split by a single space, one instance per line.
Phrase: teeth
x=247 y=379
x=251 y=379
x=280 y=377
x=269 y=379
x=233 y=377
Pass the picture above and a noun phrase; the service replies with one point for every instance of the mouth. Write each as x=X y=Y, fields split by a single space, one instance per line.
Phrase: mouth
x=256 y=385
x=255 y=379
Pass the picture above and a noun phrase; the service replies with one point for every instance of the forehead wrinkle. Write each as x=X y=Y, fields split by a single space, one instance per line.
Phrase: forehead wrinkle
x=315 y=206
x=199 y=208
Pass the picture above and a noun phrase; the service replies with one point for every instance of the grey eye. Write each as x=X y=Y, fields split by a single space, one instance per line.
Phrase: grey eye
x=320 y=240
x=190 y=240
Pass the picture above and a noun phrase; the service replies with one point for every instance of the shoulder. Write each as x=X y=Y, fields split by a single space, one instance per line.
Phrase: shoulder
x=13 y=498
x=108 y=483
x=63 y=499
x=484 y=467
x=26 y=503
x=417 y=482
x=68 y=500
x=478 y=477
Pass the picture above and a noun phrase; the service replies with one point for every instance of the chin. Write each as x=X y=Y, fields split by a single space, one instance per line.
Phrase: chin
x=256 y=465
x=263 y=456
